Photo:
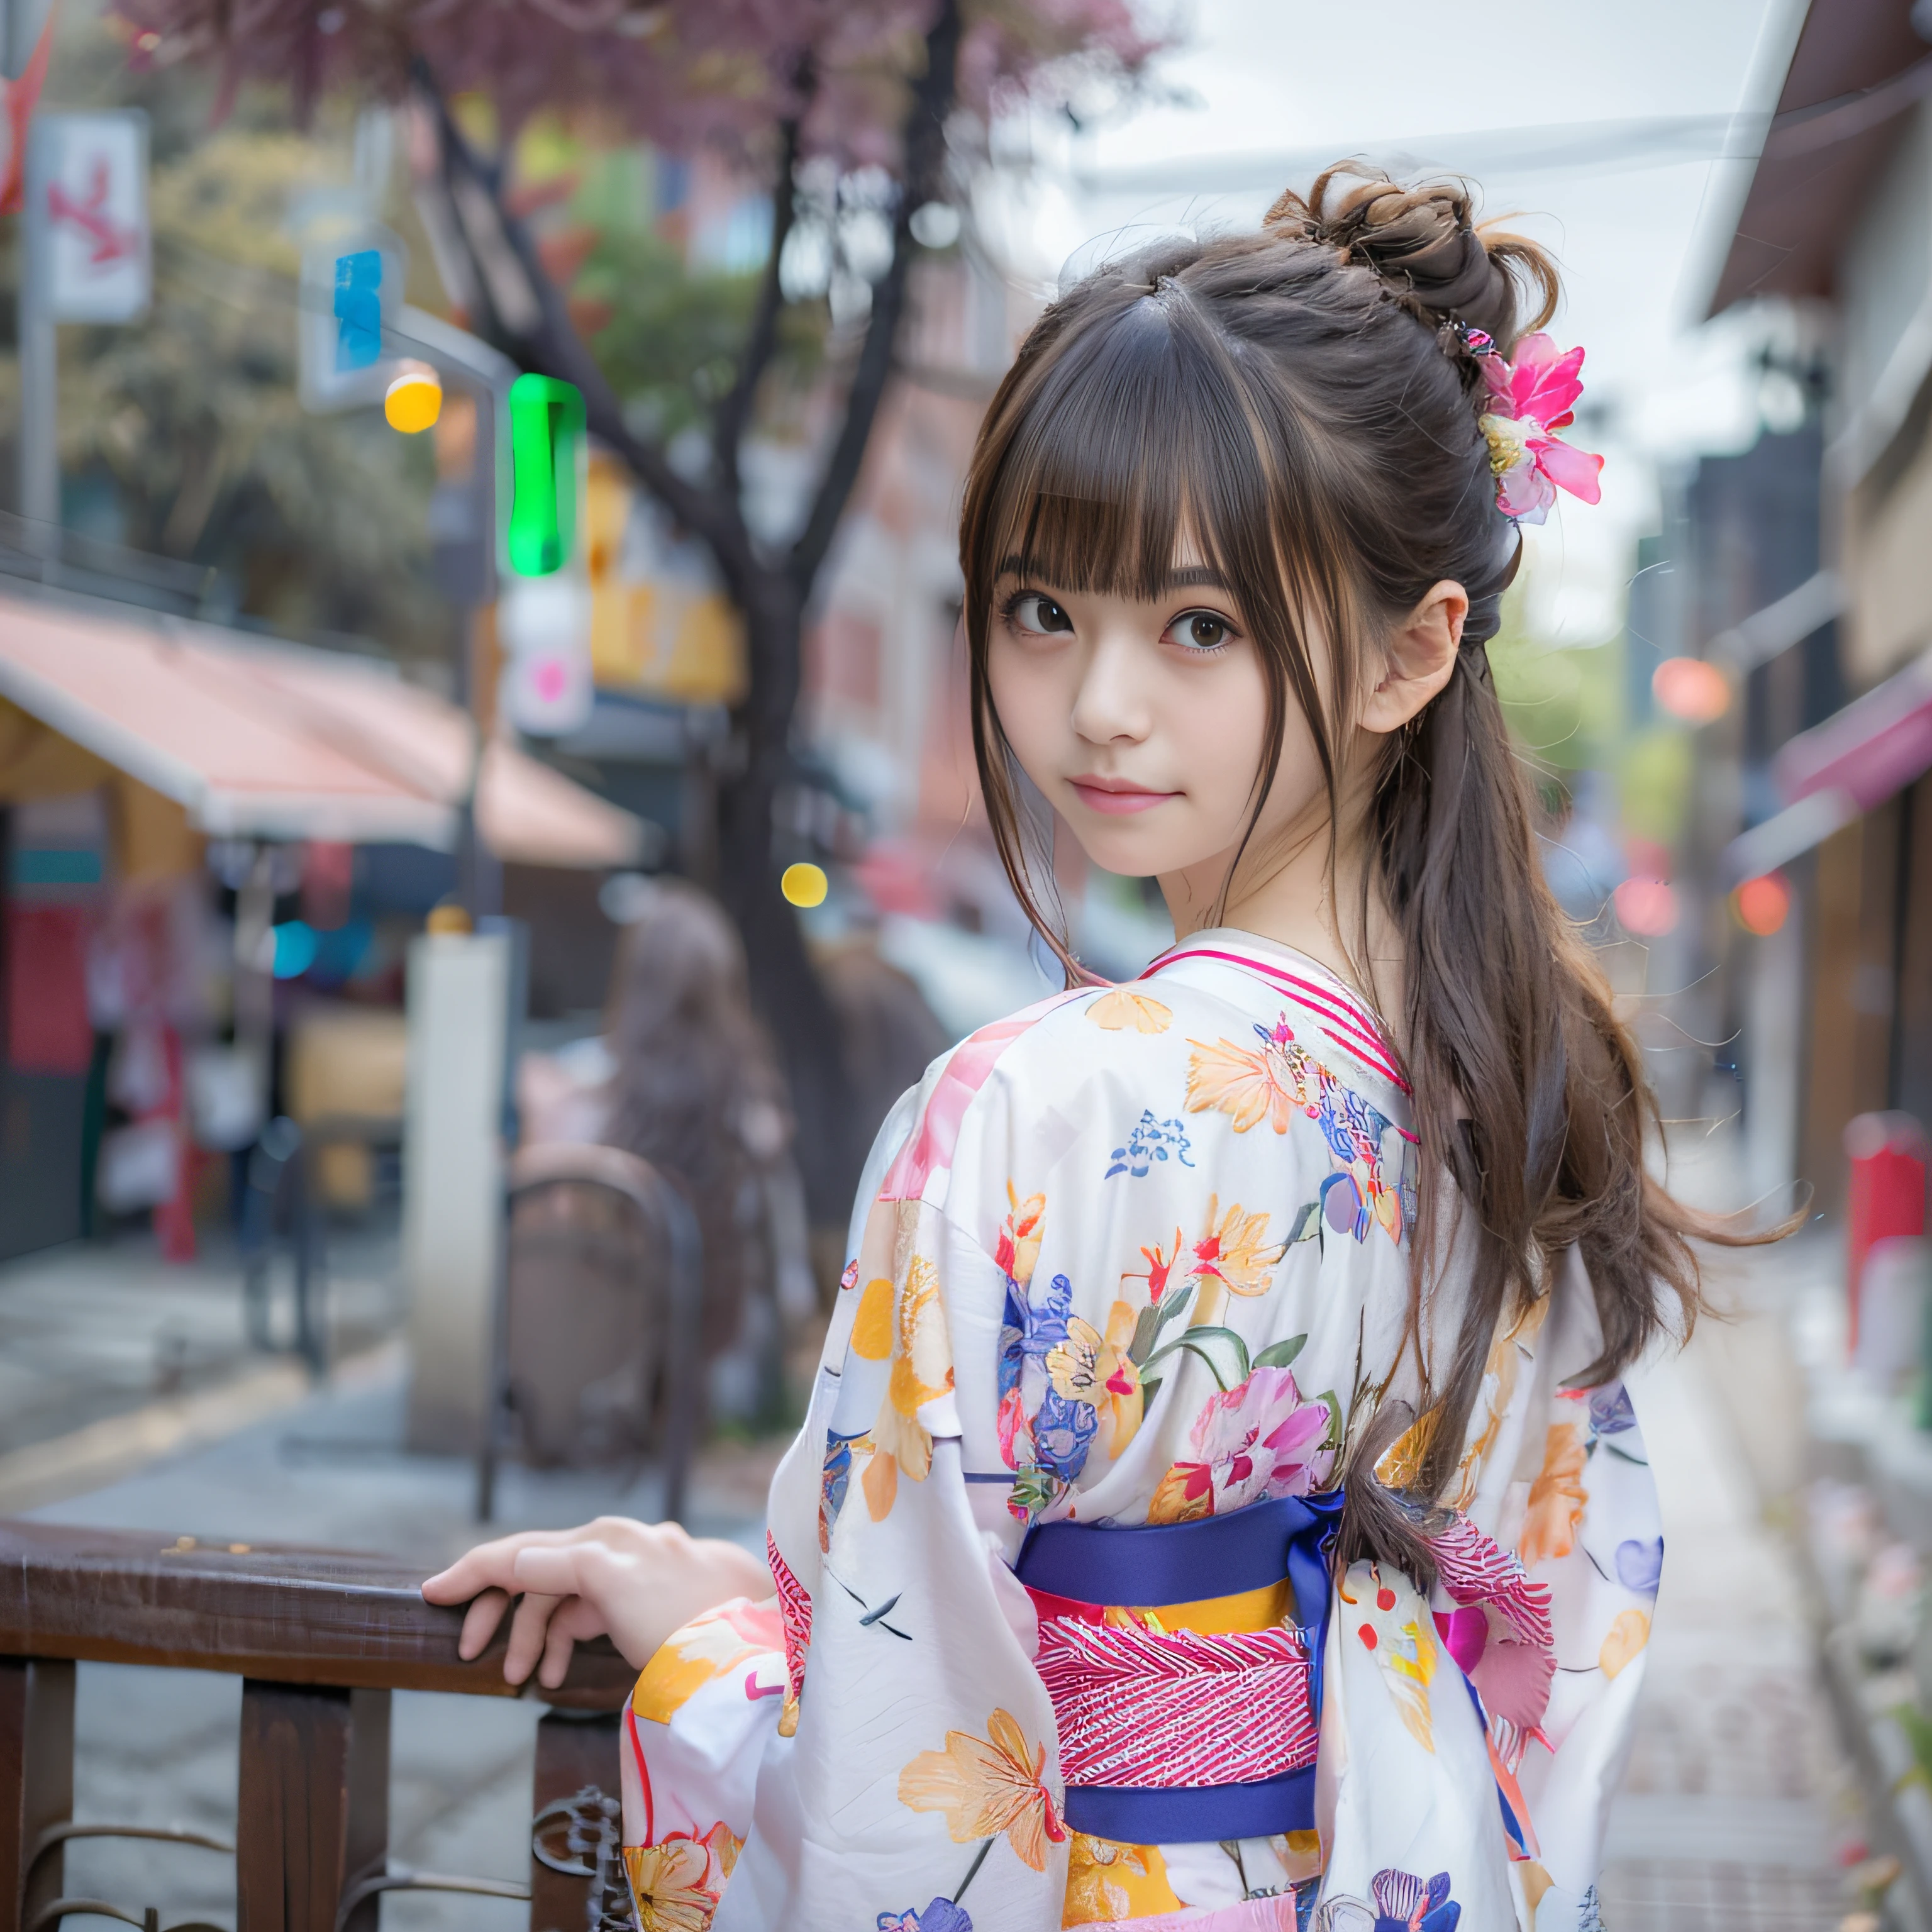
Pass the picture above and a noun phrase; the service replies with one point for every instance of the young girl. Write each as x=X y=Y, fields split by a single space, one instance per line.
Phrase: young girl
x=1219 y=1505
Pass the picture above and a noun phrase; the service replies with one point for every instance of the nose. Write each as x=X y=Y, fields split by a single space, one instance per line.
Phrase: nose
x=1112 y=704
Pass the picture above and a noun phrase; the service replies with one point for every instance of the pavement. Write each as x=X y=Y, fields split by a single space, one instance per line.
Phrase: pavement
x=110 y=1357
x=1738 y=1813
x=1738 y=1803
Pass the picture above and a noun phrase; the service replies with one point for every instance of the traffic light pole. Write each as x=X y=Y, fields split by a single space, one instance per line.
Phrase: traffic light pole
x=483 y=375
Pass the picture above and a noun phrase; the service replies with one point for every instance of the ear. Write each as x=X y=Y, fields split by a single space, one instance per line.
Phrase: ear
x=1418 y=655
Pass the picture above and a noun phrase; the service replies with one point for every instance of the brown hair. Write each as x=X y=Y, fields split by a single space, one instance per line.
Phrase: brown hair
x=1304 y=403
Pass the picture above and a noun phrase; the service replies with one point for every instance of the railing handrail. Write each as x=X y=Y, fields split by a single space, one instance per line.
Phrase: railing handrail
x=278 y=1612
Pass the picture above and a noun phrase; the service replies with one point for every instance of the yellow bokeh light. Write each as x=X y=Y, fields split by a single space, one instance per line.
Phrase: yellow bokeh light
x=804 y=885
x=414 y=400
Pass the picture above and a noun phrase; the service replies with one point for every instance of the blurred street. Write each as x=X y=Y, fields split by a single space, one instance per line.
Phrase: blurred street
x=109 y=1356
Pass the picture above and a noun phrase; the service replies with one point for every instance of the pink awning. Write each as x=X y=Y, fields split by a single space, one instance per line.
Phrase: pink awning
x=261 y=739
x=1838 y=770
x=1875 y=747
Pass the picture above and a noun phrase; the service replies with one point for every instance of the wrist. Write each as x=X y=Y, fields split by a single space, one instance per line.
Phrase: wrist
x=736 y=1568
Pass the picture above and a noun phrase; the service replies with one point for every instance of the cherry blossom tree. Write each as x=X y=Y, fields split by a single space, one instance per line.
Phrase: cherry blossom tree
x=888 y=96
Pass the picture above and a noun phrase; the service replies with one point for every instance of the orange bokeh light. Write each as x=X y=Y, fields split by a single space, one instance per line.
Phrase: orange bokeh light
x=1691 y=690
x=1763 y=905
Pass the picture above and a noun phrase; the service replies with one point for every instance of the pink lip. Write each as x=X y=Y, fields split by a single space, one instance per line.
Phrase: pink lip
x=1117 y=795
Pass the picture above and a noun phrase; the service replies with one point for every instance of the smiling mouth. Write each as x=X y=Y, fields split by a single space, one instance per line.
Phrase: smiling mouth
x=1117 y=795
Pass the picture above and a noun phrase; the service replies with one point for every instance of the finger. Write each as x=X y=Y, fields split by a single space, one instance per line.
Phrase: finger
x=567 y=1572
x=527 y=1636
x=574 y=1622
x=490 y=1565
x=479 y=1623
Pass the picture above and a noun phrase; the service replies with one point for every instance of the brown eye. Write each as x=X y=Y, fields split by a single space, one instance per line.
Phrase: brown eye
x=1199 y=631
x=1031 y=611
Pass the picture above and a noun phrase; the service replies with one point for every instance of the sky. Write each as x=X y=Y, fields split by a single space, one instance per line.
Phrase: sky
x=1621 y=134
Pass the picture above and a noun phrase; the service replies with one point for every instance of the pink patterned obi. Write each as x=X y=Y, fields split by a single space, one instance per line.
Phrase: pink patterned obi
x=1155 y=1709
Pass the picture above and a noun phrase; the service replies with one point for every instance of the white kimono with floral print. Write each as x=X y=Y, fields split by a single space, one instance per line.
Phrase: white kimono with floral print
x=1135 y=1256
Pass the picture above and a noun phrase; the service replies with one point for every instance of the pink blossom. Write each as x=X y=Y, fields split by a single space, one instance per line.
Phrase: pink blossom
x=1260 y=1438
x=1533 y=397
x=684 y=74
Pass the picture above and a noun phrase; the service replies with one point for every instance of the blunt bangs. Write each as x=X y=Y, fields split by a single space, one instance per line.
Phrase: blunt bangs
x=1139 y=436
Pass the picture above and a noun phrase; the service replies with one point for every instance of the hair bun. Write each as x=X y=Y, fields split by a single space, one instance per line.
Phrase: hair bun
x=1425 y=245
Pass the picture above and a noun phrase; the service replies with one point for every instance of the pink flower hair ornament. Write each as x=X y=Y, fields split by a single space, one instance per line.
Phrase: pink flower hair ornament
x=1530 y=399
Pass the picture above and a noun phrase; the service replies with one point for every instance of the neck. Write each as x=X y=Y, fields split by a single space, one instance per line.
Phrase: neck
x=1283 y=890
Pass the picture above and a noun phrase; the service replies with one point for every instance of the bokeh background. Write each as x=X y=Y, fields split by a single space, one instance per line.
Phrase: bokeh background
x=400 y=949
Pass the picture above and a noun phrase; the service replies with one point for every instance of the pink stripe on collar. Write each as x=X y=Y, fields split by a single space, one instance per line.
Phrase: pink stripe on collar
x=1361 y=1033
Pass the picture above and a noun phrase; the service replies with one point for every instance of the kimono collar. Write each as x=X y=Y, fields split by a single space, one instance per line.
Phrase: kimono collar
x=1344 y=1016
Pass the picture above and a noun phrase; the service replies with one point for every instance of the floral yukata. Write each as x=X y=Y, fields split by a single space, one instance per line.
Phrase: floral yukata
x=1135 y=1256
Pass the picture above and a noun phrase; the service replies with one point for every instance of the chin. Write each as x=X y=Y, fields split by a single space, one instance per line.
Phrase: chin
x=1114 y=850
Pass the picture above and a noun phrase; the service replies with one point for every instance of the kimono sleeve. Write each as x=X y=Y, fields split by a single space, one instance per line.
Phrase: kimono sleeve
x=875 y=1748
x=1470 y=1745
x=1580 y=1510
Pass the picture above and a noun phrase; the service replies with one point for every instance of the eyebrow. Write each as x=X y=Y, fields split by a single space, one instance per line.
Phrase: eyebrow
x=1191 y=577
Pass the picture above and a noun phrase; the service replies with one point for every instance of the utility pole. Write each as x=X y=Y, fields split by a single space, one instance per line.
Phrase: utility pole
x=468 y=562
x=39 y=370
x=22 y=22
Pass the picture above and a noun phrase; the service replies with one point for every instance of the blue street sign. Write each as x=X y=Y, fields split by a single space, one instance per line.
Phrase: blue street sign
x=358 y=309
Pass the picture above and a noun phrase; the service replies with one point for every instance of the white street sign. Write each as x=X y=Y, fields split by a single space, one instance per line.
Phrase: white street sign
x=544 y=623
x=87 y=207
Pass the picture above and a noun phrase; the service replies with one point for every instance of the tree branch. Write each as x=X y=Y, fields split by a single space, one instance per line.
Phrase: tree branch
x=734 y=409
x=554 y=346
x=932 y=98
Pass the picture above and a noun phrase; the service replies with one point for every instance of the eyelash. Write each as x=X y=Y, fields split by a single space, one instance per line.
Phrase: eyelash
x=1010 y=610
x=1206 y=650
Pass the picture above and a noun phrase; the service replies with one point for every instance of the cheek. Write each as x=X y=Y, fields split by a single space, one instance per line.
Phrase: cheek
x=1222 y=723
x=1297 y=782
x=1216 y=724
x=1032 y=709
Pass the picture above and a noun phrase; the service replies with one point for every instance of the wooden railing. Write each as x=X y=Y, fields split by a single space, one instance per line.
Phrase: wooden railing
x=319 y=1638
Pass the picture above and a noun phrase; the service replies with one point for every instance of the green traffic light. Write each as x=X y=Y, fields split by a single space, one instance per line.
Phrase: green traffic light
x=546 y=425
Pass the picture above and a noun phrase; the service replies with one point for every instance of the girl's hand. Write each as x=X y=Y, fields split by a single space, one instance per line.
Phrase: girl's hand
x=635 y=1582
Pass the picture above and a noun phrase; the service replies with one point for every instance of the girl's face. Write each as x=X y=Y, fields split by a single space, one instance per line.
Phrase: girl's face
x=1143 y=723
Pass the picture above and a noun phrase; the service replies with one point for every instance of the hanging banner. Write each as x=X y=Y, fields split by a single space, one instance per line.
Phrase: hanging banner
x=87 y=212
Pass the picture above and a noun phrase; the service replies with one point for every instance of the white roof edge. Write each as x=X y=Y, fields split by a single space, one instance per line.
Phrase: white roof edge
x=1787 y=834
x=1727 y=187
x=295 y=816
x=126 y=750
x=1787 y=620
